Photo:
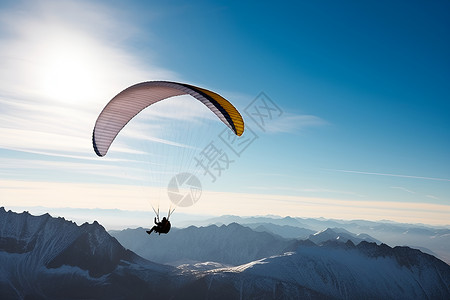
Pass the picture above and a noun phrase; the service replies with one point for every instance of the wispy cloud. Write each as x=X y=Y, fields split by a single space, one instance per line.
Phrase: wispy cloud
x=292 y=123
x=388 y=174
x=88 y=171
x=304 y=190
x=403 y=189
x=59 y=67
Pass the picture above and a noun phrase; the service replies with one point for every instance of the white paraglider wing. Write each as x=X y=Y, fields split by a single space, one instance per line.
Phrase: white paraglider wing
x=128 y=103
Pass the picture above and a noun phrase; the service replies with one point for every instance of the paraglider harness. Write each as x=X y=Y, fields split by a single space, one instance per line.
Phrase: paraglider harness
x=162 y=226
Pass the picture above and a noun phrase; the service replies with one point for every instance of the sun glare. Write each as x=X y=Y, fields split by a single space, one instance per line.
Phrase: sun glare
x=66 y=75
x=61 y=76
x=68 y=65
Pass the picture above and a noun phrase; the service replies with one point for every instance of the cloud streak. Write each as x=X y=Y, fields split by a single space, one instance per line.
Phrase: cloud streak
x=403 y=189
x=305 y=190
x=59 y=68
x=389 y=175
x=289 y=123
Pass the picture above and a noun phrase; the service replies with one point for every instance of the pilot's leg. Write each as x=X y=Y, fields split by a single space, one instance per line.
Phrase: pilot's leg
x=151 y=230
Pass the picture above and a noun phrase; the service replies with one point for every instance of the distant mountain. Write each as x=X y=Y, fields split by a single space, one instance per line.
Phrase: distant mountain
x=286 y=231
x=228 y=219
x=340 y=235
x=231 y=244
x=45 y=257
x=432 y=240
x=332 y=271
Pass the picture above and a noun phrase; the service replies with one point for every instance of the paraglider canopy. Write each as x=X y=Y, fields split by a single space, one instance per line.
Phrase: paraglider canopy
x=128 y=103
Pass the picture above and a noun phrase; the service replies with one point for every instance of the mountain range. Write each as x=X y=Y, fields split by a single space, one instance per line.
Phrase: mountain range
x=231 y=244
x=432 y=240
x=42 y=257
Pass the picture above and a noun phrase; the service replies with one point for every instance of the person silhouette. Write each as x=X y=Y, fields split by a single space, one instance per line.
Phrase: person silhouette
x=160 y=227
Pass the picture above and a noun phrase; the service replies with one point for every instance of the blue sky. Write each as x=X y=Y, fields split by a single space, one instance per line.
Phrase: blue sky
x=362 y=87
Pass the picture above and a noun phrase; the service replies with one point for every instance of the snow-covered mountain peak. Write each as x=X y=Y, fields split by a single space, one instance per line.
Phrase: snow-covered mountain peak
x=338 y=271
x=339 y=235
x=50 y=258
x=55 y=242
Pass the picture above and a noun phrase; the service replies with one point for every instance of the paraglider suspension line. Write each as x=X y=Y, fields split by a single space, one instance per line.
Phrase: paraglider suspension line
x=171 y=210
x=157 y=213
